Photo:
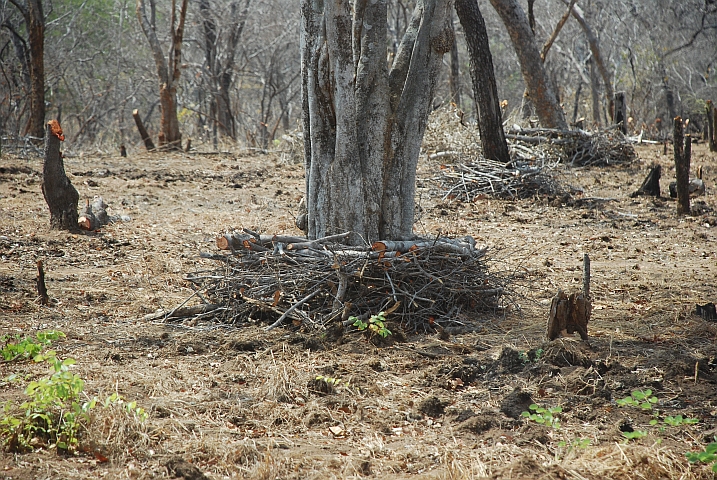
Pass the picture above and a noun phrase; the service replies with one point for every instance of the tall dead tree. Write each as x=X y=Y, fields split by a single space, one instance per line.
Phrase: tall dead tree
x=485 y=90
x=34 y=17
x=540 y=90
x=59 y=193
x=363 y=120
x=168 y=69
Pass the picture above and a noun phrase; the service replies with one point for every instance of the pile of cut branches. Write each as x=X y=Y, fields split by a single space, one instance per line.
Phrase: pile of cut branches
x=280 y=279
x=536 y=153
x=578 y=147
x=517 y=179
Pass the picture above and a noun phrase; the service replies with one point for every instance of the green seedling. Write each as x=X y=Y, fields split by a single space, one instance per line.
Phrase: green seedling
x=582 y=443
x=54 y=415
x=639 y=399
x=18 y=348
x=544 y=416
x=635 y=434
x=335 y=382
x=376 y=325
x=708 y=455
x=679 y=420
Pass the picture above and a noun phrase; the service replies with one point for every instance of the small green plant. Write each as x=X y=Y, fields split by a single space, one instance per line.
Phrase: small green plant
x=708 y=455
x=639 y=398
x=635 y=434
x=18 y=348
x=55 y=414
x=334 y=382
x=582 y=443
x=546 y=416
x=679 y=420
x=376 y=325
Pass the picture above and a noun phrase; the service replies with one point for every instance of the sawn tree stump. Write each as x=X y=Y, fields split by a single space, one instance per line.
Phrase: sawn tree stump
x=571 y=313
x=59 y=193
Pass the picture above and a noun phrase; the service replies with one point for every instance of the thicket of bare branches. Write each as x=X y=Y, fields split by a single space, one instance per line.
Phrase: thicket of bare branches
x=98 y=67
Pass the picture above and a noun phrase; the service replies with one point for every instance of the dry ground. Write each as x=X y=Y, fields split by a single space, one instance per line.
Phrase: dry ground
x=237 y=402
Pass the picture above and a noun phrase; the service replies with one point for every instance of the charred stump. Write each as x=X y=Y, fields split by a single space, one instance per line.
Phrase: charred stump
x=711 y=136
x=571 y=313
x=651 y=184
x=42 y=295
x=59 y=193
x=621 y=112
x=683 y=151
x=148 y=143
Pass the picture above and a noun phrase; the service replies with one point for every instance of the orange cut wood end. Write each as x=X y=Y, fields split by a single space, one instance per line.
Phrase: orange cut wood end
x=222 y=243
x=378 y=246
x=56 y=129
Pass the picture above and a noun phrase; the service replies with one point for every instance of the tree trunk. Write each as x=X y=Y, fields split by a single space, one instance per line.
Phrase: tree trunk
x=34 y=67
x=683 y=152
x=59 y=193
x=541 y=92
x=454 y=79
x=168 y=71
x=364 y=123
x=597 y=57
x=222 y=73
x=621 y=112
x=595 y=92
x=485 y=90
x=710 y=125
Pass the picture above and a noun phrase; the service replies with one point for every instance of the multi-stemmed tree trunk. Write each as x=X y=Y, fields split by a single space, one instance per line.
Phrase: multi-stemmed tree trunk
x=540 y=89
x=220 y=61
x=167 y=68
x=363 y=120
x=485 y=90
x=34 y=18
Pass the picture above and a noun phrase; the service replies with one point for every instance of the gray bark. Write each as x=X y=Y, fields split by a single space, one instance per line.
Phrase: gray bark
x=364 y=122
x=594 y=44
x=540 y=90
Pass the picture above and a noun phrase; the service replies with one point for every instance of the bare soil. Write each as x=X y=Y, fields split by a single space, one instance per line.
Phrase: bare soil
x=228 y=402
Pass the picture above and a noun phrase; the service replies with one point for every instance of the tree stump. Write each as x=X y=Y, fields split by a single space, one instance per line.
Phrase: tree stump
x=621 y=112
x=148 y=143
x=571 y=313
x=683 y=152
x=651 y=184
x=59 y=193
x=711 y=136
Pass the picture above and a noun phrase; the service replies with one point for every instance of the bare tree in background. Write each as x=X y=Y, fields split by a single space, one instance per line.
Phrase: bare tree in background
x=220 y=58
x=539 y=87
x=34 y=17
x=168 y=69
x=485 y=90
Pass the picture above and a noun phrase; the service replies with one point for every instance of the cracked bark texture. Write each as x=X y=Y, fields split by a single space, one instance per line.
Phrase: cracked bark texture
x=364 y=119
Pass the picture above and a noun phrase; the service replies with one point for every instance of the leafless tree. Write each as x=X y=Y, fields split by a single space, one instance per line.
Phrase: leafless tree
x=168 y=68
